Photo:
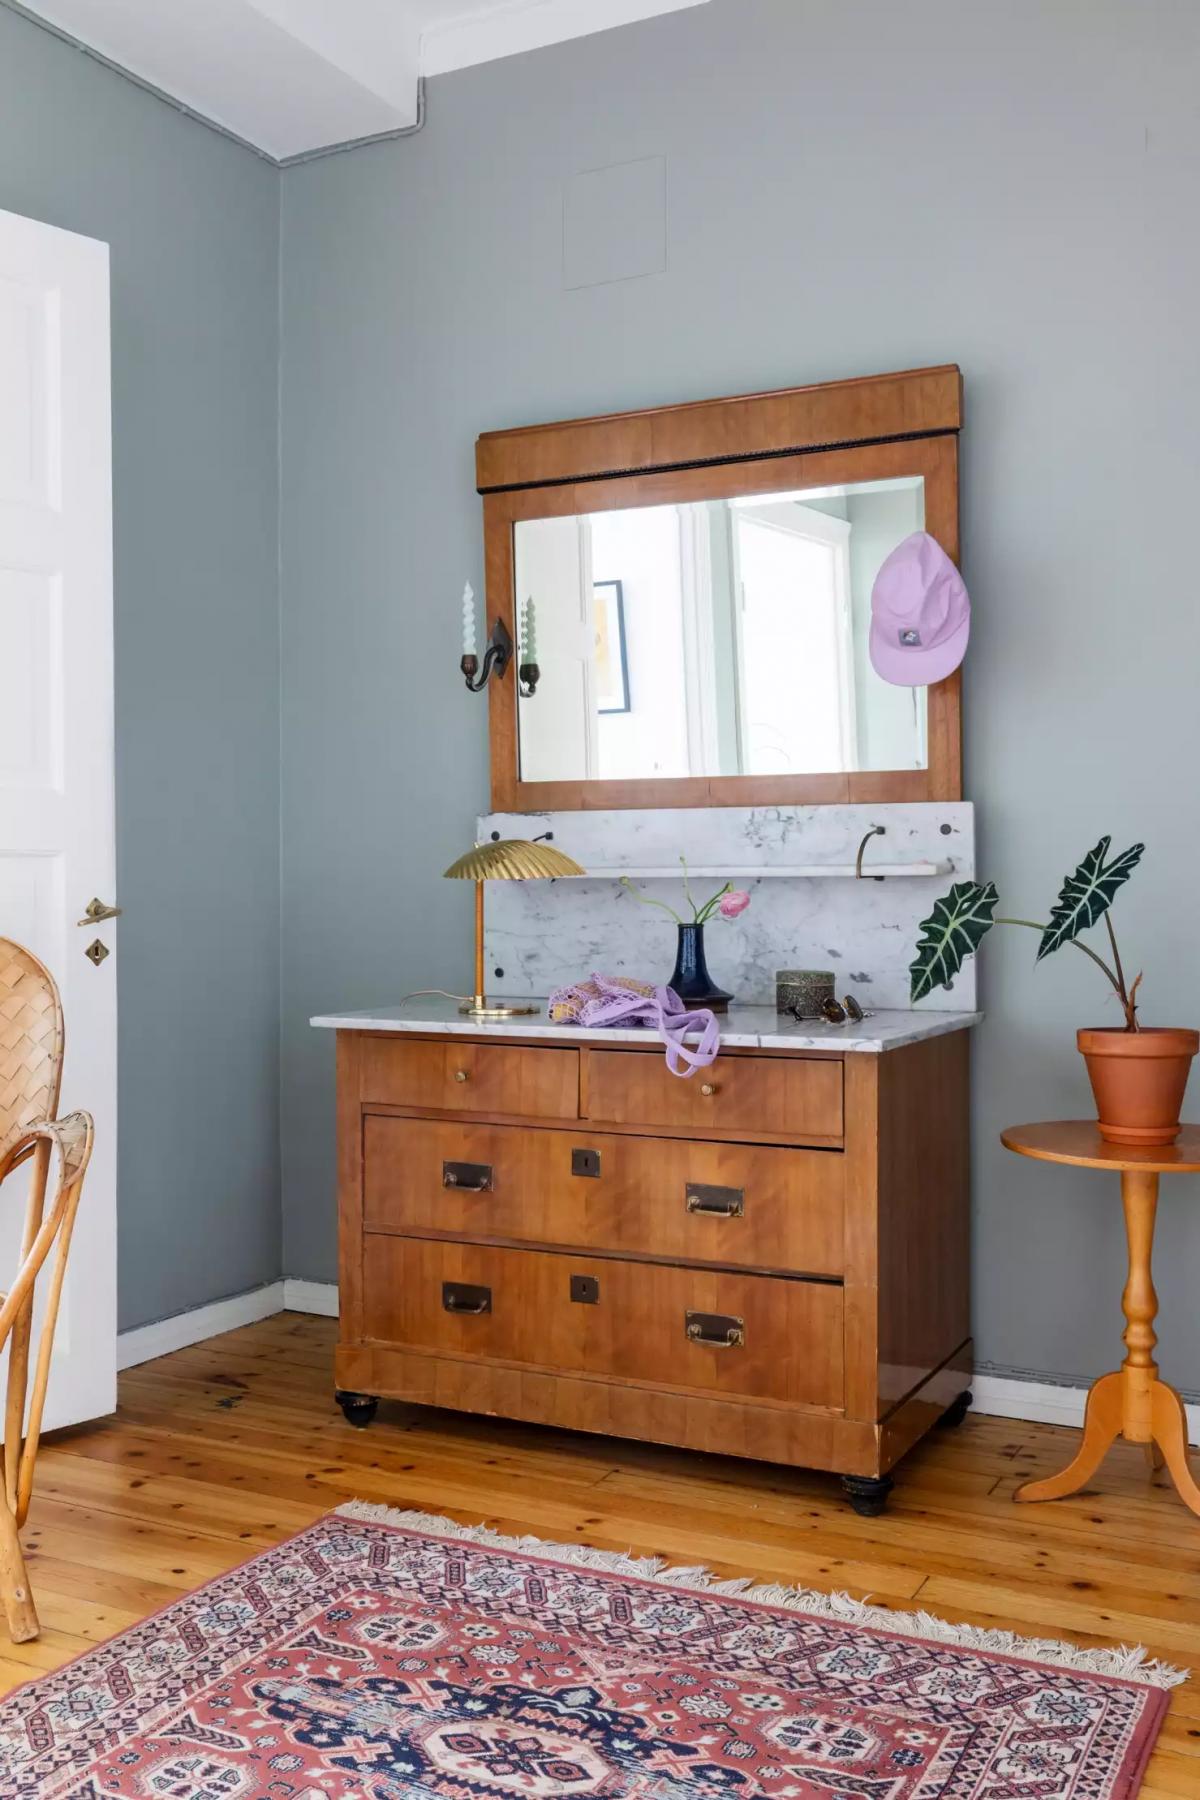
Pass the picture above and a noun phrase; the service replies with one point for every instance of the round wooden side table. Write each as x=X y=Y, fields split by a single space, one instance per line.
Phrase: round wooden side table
x=1132 y=1402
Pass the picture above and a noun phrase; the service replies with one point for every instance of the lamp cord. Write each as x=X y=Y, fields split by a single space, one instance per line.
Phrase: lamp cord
x=443 y=993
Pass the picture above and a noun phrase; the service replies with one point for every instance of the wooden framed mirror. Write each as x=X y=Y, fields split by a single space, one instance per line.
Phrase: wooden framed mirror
x=701 y=578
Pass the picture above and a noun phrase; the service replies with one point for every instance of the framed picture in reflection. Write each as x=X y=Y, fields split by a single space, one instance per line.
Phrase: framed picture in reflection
x=611 y=664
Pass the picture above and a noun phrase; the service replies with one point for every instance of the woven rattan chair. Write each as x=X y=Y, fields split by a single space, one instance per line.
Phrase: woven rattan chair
x=31 y=1055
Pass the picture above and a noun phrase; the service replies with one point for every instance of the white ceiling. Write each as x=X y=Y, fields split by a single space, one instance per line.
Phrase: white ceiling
x=294 y=76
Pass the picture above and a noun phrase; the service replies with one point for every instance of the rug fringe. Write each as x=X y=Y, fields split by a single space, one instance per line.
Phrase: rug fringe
x=1129 y=1662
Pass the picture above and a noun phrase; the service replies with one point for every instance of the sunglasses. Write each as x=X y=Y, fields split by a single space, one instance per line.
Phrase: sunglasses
x=837 y=1012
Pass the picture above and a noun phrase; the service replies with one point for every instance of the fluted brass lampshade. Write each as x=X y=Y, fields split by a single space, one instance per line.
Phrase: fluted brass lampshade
x=506 y=859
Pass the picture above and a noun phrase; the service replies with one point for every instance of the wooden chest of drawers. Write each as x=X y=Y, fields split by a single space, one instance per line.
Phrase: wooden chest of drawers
x=769 y=1259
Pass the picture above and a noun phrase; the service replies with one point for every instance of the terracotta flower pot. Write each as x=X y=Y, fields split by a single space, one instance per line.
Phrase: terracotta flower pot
x=1138 y=1079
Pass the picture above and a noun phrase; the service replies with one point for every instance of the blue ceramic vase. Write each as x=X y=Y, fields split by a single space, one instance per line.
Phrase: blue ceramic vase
x=691 y=979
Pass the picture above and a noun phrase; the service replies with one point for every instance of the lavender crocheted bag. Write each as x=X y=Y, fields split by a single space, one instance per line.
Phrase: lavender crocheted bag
x=615 y=1000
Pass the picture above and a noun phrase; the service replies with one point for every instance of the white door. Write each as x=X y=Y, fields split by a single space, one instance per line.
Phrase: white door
x=56 y=733
x=558 y=737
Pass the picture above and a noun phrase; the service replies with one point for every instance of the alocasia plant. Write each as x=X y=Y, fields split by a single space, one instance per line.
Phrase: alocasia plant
x=961 y=920
x=953 y=931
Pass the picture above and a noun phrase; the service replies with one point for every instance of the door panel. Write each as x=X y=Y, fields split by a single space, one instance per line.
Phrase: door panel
x=31 y=716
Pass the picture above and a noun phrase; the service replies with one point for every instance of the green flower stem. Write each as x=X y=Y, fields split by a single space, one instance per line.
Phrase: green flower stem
x=700 y=914
x=707 y=910
x=645 y=900
x=687 y=892
x=1098 y=960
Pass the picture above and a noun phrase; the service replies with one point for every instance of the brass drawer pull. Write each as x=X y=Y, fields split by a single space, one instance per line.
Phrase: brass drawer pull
x=716 y=1202
x=708 y=1089
x=720 y=1331
x=468 y=1178
x=461 y=1075
x=458 y=1297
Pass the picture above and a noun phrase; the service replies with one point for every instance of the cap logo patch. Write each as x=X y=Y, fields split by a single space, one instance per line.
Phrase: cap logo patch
x=910 y=638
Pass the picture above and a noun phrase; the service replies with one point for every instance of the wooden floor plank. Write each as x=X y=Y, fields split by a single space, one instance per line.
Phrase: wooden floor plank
x=222 y=1449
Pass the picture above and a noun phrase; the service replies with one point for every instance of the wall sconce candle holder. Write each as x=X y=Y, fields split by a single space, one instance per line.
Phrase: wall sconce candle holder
x=528 y=673
x=496 y=659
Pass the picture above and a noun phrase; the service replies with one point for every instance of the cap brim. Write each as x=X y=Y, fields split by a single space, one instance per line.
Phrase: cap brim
x=917 y=667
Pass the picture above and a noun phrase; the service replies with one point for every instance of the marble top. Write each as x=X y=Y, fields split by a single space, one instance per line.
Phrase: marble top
x=742 y=1027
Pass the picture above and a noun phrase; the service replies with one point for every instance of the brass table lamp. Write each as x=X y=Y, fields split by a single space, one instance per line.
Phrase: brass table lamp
x=509 y=859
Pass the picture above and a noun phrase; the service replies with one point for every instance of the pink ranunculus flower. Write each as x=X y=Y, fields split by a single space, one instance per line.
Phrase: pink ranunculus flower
x=733 y=904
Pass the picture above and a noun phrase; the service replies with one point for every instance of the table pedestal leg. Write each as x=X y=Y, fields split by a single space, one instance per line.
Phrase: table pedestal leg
x=1132 y=1403
x=1170 y=1434
x=1101 y=1425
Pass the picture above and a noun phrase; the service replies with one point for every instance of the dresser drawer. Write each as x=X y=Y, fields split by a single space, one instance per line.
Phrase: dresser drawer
x=471 y=1078
x=744 y=1205
x=642 y=1322
x=793 y=1097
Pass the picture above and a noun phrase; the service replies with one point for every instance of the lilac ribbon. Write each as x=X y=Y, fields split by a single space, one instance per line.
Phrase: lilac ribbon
x=603 y=1001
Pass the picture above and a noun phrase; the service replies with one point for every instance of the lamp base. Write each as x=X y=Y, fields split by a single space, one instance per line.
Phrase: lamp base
x=482 y=1008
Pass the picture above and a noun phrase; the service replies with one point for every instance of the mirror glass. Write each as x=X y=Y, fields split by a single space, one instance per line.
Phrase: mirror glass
x=719 y=637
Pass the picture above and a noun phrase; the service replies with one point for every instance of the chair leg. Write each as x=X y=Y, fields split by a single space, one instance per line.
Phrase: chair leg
x=15 y=1590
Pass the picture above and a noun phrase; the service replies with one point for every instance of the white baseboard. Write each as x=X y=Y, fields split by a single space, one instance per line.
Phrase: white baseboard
x=1002 y=1396
x=311 y=1297
x=146 y=1342
x=1044 y=1402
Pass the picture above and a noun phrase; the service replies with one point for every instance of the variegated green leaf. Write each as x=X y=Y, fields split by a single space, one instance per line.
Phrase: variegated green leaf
x=953 y=931
x=1087 y=894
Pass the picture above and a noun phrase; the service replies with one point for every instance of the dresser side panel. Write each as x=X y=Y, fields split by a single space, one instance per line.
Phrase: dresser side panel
x=862 y=1083
x=924 y=1244
x=350 y=1185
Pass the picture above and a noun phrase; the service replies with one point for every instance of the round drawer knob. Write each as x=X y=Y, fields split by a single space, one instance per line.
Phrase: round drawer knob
x=708 y=1089
x=460 y=1075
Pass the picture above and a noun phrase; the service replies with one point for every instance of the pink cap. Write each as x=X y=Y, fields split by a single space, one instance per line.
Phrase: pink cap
x=920 y=614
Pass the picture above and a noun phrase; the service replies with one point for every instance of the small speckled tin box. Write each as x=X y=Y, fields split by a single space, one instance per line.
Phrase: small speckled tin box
x=803 y=992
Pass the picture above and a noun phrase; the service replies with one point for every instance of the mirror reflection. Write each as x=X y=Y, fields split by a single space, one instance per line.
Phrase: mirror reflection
x=720 y=637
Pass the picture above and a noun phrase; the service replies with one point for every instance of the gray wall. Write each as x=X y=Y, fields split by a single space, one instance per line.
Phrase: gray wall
x=193 y=224
x=852 y=187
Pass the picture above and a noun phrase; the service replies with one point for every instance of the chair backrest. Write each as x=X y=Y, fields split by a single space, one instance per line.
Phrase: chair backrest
x=31 y=1043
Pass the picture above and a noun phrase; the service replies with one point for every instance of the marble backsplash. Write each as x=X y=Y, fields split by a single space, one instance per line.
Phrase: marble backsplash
x=543 y=934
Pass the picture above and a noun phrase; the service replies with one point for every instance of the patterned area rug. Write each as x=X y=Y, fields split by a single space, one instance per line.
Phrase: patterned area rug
x=389 y=1656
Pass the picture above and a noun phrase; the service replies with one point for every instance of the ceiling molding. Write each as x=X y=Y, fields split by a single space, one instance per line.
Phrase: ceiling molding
x=510 y=27
x=286 y=76
x=106 y=62
x=296 y=79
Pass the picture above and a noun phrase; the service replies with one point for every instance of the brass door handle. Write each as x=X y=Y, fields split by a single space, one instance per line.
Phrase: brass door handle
x=96 y=910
